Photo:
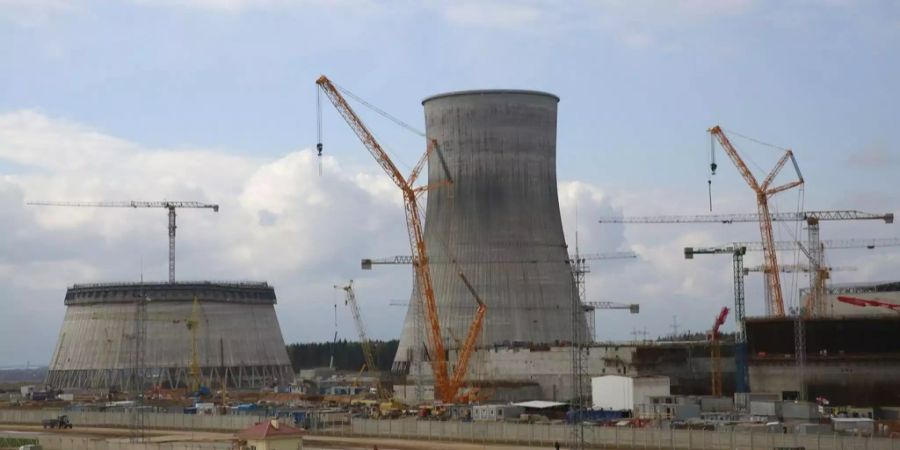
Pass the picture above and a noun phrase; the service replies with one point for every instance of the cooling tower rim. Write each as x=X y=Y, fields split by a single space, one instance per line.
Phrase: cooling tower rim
x=176 y=284
x=476 y=92
x=184 y=291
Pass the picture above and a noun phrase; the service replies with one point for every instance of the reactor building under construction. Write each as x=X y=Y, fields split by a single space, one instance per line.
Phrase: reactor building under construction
x=230 y=331
x=498 y=222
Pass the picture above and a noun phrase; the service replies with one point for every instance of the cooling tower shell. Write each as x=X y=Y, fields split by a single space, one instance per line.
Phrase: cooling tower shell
x=498 y=222
x=238 y=337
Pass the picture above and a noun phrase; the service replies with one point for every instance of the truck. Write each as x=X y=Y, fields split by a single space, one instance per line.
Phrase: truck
x=61 y=422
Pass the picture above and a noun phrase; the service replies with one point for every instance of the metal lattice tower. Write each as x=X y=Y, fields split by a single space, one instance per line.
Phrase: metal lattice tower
x=579 y=362
x=137 y=425
x=800 y=352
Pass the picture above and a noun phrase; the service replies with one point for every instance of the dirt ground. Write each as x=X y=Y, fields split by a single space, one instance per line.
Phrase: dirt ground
x=310 y=442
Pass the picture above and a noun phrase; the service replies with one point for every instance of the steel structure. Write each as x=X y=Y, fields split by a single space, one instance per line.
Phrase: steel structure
x=715 y=351
x=170 y=206
x=499 y=222
x=368 y=350
x=815 y=299
x=445 y=384
x=741 y=370
x=763 y=192
x=590 y=310
x=801 y=216
x=239 y=341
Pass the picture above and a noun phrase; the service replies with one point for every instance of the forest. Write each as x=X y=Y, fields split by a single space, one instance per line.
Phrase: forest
x=348 y=355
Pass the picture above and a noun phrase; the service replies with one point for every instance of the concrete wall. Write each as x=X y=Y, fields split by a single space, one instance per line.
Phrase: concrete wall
x=238 y=329
x=875 y=382
x=498 y=223
x=543 y=435
x=152 y=420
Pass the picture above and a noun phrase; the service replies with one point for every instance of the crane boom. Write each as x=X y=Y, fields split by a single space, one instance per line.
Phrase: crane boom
x=367 y=263
x=446 y=390
x=716 y=351
x=368 y=351
x=169 y=205
x=763 y=193
x=801 y=216
x=793 y=245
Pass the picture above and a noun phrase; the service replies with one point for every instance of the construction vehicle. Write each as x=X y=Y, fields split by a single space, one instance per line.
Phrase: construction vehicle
x=715 y=352
x=446 y=387
x=60 y=422
x=171 y=206
x=763 y=192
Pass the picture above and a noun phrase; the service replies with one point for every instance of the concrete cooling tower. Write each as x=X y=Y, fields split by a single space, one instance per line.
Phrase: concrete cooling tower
x=499 y=222
x=238 y=337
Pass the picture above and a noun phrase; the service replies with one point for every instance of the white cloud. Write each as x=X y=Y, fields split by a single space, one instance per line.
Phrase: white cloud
x=493 y=14
x=278 y=221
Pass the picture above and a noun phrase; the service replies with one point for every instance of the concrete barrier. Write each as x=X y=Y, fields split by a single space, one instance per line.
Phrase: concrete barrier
x=166 y=421
x=610 y=437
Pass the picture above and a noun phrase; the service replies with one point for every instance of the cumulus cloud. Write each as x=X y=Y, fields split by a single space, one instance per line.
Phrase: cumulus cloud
x=279 y=221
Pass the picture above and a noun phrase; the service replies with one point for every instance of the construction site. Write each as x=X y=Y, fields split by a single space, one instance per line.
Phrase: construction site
x=499 y=339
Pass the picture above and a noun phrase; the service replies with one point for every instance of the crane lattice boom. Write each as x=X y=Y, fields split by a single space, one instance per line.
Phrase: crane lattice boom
x=763 y=192
x=445 y=387
x=368 y=351
x=801 y=216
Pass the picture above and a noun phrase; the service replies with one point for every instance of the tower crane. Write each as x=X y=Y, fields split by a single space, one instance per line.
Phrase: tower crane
x=814 y=251
x=763 y=192
x=715 y=352
x=578 y=262
x=590 y=308
x=368 y=351
x=738 y=250
x=169 y=205
x=445 y=386
x=367 y=263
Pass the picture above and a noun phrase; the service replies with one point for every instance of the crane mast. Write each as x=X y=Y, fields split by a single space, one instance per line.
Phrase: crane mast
x=763 y=193
x=445 y=387
x=368 y=351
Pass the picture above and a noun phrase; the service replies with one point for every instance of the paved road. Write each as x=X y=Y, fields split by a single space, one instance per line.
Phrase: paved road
x=310 y=442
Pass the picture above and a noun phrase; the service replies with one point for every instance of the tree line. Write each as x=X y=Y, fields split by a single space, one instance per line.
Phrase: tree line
x=348 y=355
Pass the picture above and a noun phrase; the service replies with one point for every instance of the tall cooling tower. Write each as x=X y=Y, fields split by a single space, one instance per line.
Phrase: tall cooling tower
x=238 y=337
x=498 y=223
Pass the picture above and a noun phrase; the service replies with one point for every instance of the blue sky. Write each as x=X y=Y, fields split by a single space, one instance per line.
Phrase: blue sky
x=189 y=84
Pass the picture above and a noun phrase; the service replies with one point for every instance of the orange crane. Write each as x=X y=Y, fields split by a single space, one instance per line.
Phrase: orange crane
x=715 y=352
x=446 y=387
x=763 y=192
x=862 y=302
x=169 y=205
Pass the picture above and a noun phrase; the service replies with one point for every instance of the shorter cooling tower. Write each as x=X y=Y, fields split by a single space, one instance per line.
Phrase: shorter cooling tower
x=237 y=339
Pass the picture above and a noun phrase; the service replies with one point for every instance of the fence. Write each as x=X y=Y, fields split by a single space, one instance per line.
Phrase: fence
x=476 y=432
x=83 y=443
x=611 y=437
x=151 y=420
